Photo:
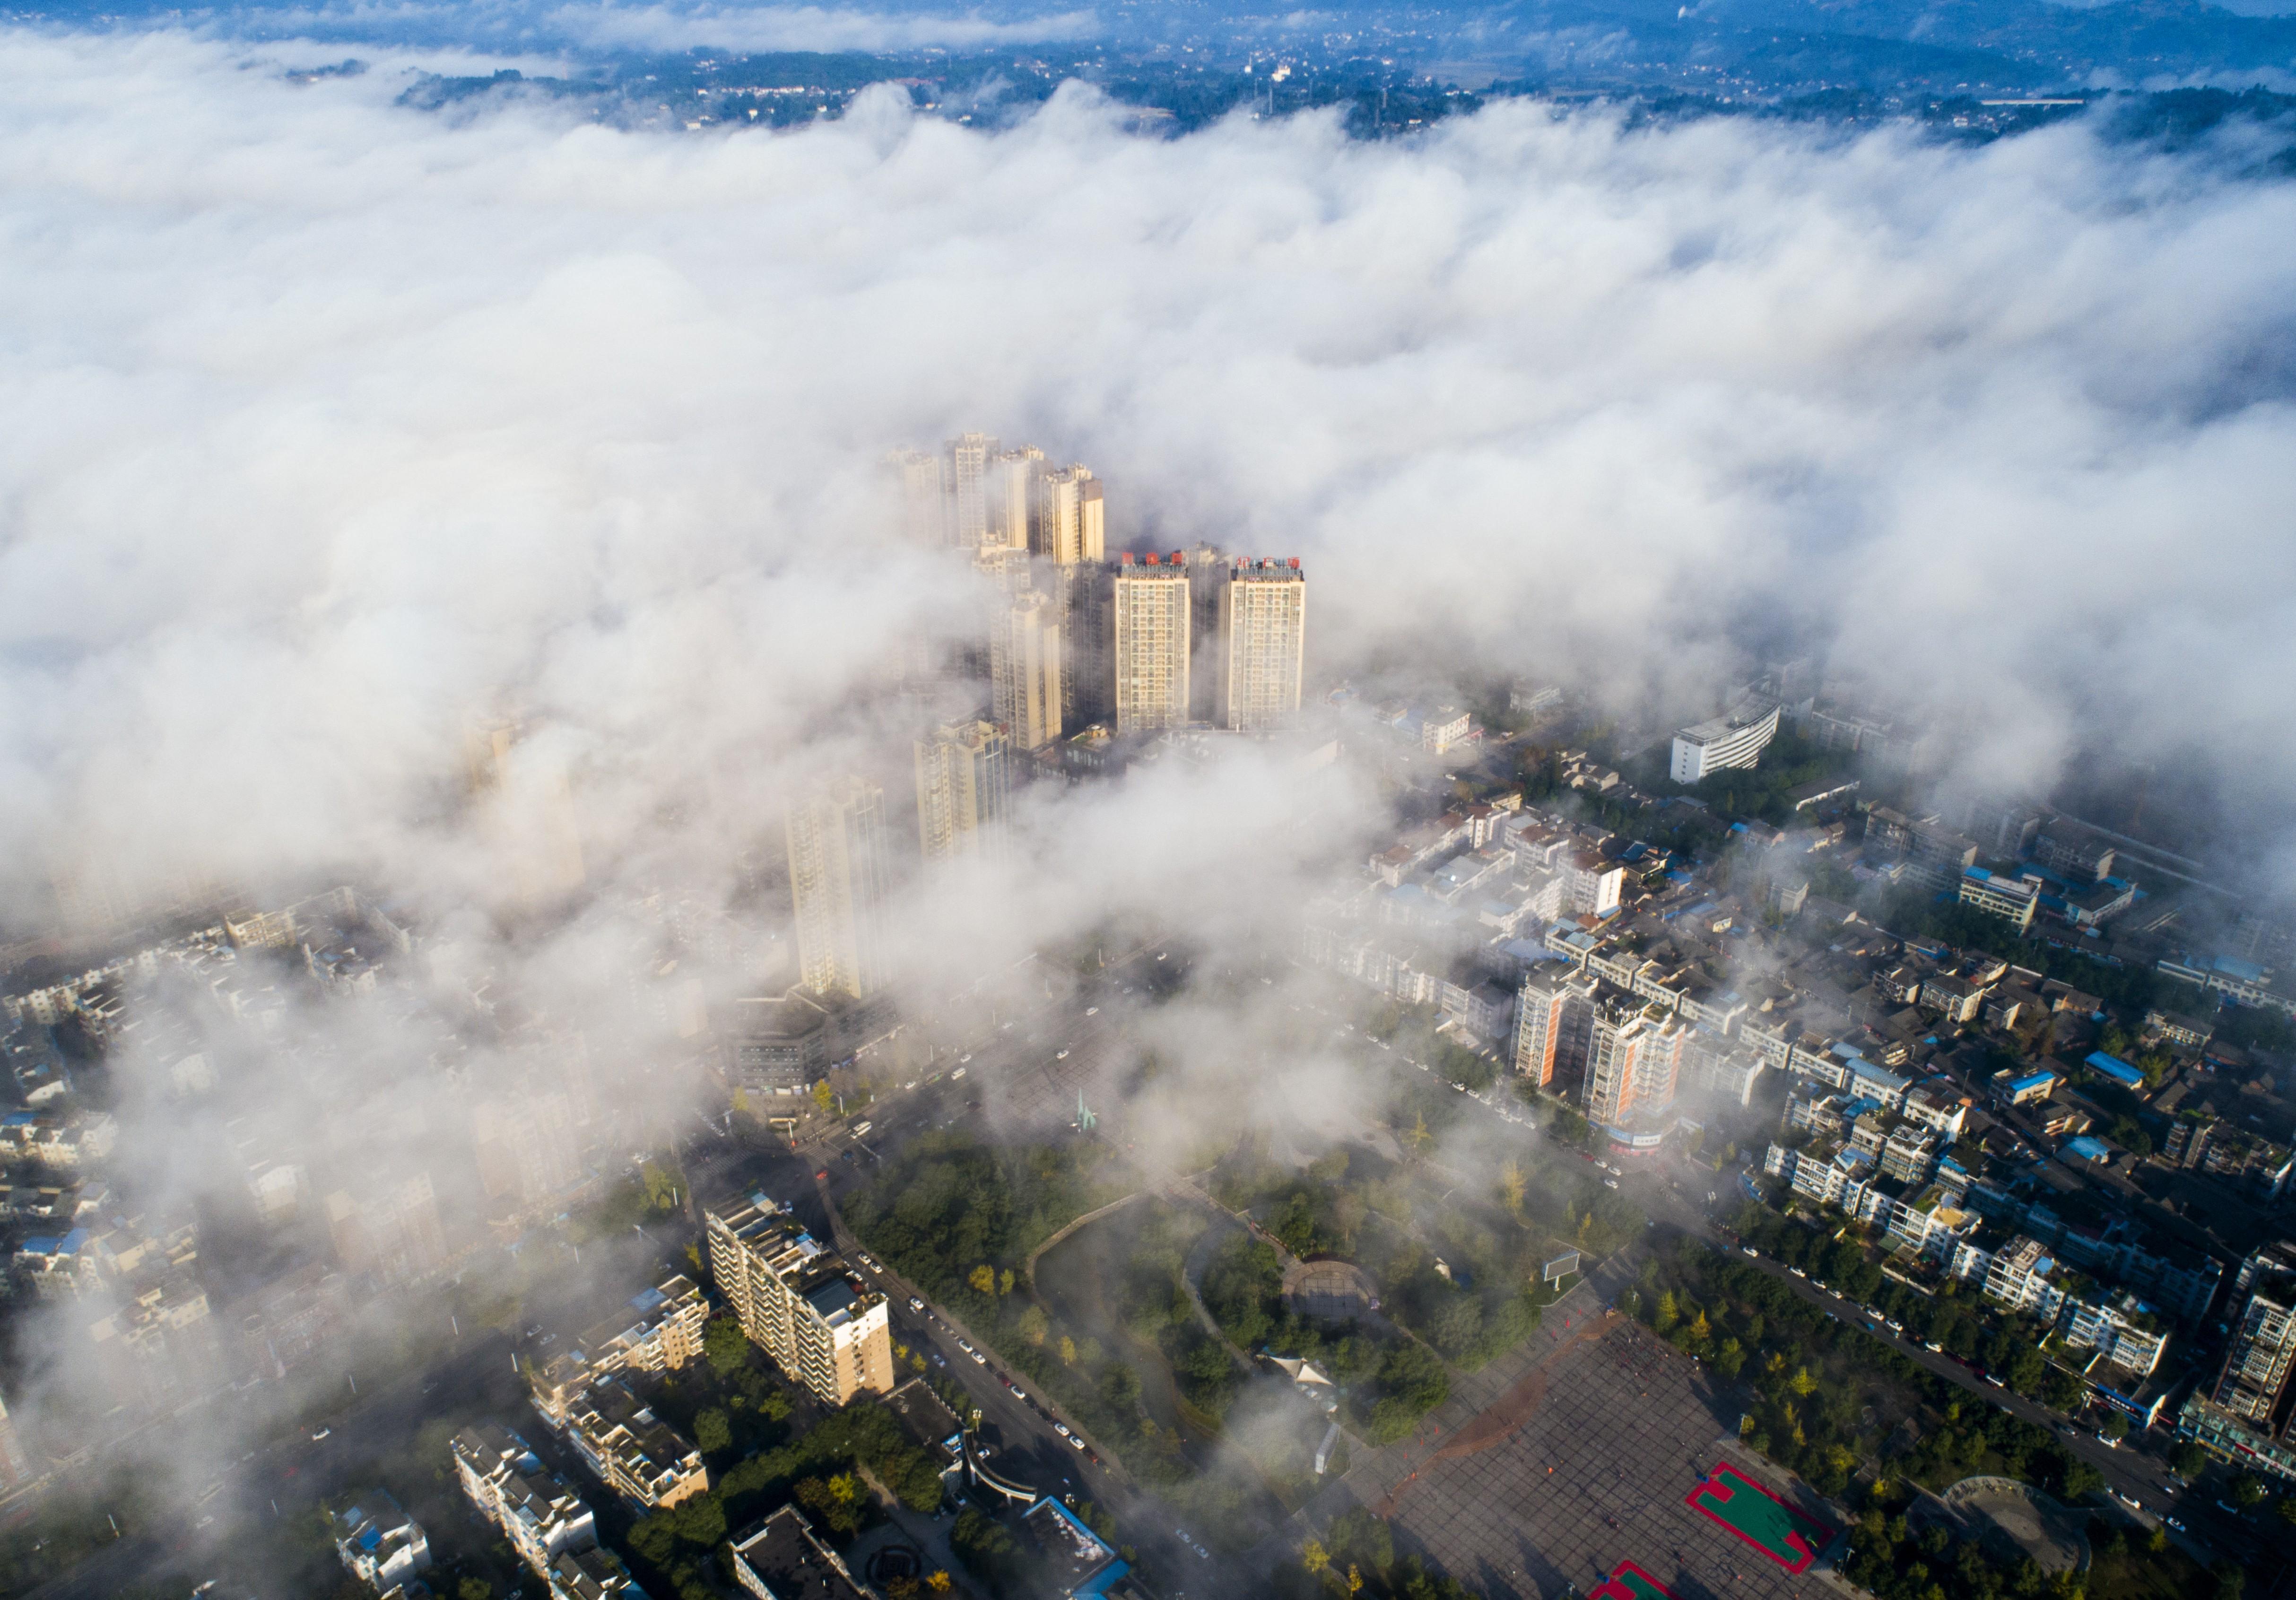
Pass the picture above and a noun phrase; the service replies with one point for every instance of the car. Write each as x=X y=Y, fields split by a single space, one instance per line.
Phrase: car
x=915 y=1304
x=822 y=1177
x=2229 y=1510
x=1062 y=1429
x=1610 y=1182
x=1798 y=1272
x=1076 y=1442
x=204 y=1522
x=2174 y=1522
x=979 y=1359
x=845 y=1155
x=1092 y=1011
x=967 y=1057
x=1750 y=1251
x=2109 y=1444
x=1893 y=1324
x=320 y=1433
x=2131 y=1501
x=1063 y=1055
x=937 y=1361
x=965 y=1345
x=1931 y=1344
x=866 y=1260
x=958 y=1073
x=1018 y=1393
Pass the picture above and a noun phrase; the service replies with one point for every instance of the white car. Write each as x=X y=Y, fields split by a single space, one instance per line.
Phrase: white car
x=1062 y=1429
x=958 y=1073
x=1075 y=1443
x=965 y=1345
x=1092 y=1011
x=915 y=1304
x=1063 y=1055
x=979 y=1359
x=1750 y=1250
x=1798 y=1272
x=320 y=1433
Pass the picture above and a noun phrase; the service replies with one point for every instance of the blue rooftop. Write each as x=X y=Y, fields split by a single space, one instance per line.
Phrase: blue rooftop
x=2116 y=1068
x=2089 y=1149
x=2032 y=1080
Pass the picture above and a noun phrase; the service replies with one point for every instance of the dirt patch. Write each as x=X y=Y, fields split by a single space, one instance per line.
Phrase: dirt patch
x=1335 y=1291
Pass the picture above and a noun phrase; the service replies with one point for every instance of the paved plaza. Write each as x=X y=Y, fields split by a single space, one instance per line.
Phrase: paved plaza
x=1579 y=1457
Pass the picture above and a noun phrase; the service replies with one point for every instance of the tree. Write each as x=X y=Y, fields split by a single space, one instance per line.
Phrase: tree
x=1005 y=1282
x=725 y=1345
x=1512 y=1187
x=1667 y=1313
x=474 y=1588
x=824 y=1096
x=2248 y=1491
x=711 y=1430
x=1068 y=1349
x=1417 y=1140
x=1314 y=1557
x=2116 y=1427
x=1730 y=1359
x=1035 y=1326
x=2188 y=1460
x=983 y=1278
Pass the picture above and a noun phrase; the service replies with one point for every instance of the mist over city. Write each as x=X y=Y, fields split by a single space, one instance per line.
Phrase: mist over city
x=1487 y=803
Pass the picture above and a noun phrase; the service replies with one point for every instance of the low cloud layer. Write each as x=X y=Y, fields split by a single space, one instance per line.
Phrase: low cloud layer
x=332 y=421
x=335 y=427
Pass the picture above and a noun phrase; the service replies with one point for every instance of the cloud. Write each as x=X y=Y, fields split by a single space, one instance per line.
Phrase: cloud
x=803 y=28
x=334 y=426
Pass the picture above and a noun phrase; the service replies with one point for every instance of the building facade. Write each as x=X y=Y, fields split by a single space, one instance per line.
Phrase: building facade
x=837 y=862
x=821 y=1325
x=1025 y=670
x=1261 y=650
x=1737 y=738
x=963 y=791
x=1148 y=643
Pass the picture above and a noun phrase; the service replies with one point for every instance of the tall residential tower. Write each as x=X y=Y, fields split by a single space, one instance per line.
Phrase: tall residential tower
x=821 y=1325
x=837 y=877
x=963 y=788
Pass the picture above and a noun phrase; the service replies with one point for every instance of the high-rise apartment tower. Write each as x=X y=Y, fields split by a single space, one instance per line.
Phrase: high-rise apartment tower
x=1067 y=524
x=821 y=1325
x=963 y=784
x=1260 y=648
x=1025 y=670
x=1634 y=1059
x=837 y=878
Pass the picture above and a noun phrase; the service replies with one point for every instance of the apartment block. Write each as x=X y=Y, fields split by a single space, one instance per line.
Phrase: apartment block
x=660 y=1330
x=633 y=1452
x=821 y=1325
x=838 y=873
x=963 y=791
x=537 y=1512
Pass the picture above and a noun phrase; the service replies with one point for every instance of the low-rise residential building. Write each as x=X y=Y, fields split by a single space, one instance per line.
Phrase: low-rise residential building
x=379 y=1544
x=632 y=1451
x=782 y=1558
x=596 y=1573
x=537 y=1512
x=657 y=1330
x=2024 y=1088
x=2011 y=899
x=2122 y=1330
